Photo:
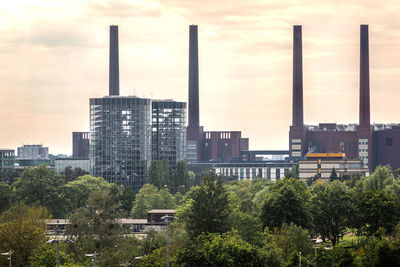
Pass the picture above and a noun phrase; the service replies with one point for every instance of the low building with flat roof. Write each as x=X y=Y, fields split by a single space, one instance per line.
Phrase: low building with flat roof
x=61 y=163
x=322 y=164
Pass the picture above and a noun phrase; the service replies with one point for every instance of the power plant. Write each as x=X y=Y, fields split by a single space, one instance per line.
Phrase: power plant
x=375 y=145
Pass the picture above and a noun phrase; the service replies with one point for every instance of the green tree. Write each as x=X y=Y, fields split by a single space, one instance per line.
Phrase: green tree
x=333 y=175
x=249 y=227
x=293 y=172
x=291 y=238
x=9 y=176
x=335 y=257
x=209 y=209
x=379 y=252
x=396 y=173
x=96 y=227
x=41 y=185
x=76 y=193
x=5 y=196
x=331 y=208
x=125 y=196
x=22 y=230
x=375 y=209
x=46 y=256
x=227 y=249
x=72 y=174
x=379 y=179
x=181 y=180
x=148 y=198
x=286 y=202
x=159 y=174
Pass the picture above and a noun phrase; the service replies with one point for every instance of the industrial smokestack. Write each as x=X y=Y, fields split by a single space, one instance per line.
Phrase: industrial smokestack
x=364 y=77
x=193 y=77
x=114 y=62
x=297 y=111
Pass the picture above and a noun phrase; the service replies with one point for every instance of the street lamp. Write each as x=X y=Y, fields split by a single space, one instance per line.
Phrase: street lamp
x=51 y=241
x=93 y=255
x=300 y=258
x=8 y=254
x=167 y=218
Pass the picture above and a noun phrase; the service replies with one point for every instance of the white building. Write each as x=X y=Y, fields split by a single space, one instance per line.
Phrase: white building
x=33 y=152
x=321 y=164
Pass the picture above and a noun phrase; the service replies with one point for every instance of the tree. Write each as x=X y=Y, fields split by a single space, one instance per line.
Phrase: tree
x=286 y=202
x=181 y=179
x=22 y=230
x=76 y=193
x=41 y=185
x=291 y=238
x=209 y=209
x=96 y=227
x=148 y=198
x=227 y=249
x=379 y=252
x=379 y=179
x=125 y=196
x=8 y=176
x=249 y=227
x=5 y=196
x=333 y=175
x=337 y=256
x=331 y=208
x=292 y=173
x=396 y=173
x=375 y=209
x=159 y=174
x=72 y=174
x=46 y=256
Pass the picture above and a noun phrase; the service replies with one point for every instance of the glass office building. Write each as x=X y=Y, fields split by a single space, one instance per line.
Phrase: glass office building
x=120 y=139
x=168 y=131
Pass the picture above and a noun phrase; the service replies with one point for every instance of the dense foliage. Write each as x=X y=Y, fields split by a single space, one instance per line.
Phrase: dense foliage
x=219 y=222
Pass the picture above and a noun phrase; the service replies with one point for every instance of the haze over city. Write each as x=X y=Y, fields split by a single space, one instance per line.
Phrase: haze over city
x=55 y=57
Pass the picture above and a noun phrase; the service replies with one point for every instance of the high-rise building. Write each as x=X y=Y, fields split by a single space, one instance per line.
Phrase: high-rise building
x=169 y=131
x=127 y=132
x=120 y=139
x=80 y=144
x=33 y=152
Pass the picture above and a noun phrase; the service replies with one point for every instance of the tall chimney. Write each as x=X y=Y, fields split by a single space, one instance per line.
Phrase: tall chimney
x=364 y=77
x=297 y=115
x=193 y=77
x=114 y=62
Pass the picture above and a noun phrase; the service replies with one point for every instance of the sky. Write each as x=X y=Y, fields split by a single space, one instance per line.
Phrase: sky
x=54 y=57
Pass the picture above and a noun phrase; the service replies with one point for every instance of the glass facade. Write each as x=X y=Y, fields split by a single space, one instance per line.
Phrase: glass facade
x=169 y=131
x=120 y=139
x=7 y=159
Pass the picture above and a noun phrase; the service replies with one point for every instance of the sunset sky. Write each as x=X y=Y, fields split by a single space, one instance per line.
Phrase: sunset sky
x=54 y=57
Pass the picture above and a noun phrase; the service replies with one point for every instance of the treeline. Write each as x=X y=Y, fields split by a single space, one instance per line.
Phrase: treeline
x=238 y=223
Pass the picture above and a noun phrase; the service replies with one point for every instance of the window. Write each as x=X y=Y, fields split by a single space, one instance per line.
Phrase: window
x=388 y=141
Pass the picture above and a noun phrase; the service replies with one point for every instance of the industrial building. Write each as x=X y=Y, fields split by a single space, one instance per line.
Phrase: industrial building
x=373 y=144
x=127 y=132
x=80 y=144
x=221 y=146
